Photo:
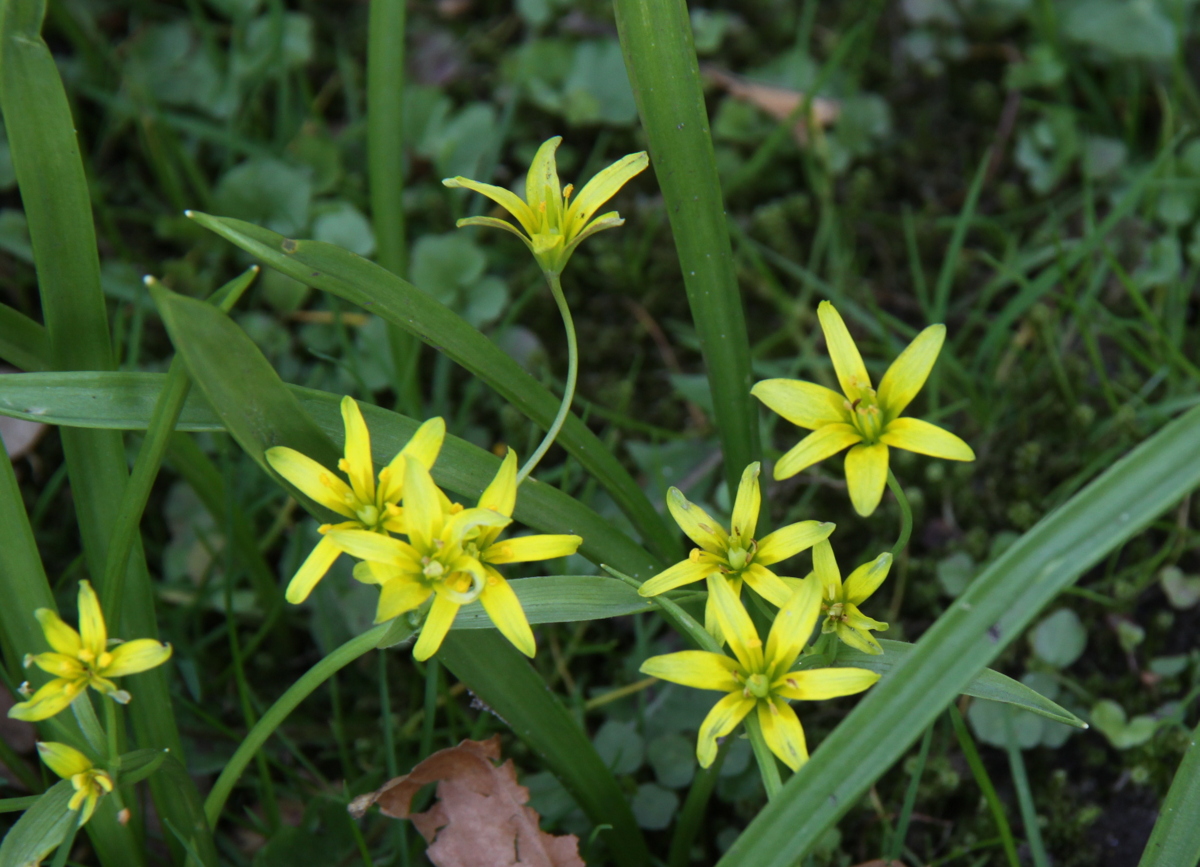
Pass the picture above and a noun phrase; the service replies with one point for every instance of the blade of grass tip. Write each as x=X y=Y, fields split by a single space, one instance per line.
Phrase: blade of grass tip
x=385 y=171
x=896 y=847
x=971 y=754
x=656 y=38
x=1175 y=839
x=46 y=158
x=145 y=467
x=994 y=611
x=941 y=289
x=1029 y=816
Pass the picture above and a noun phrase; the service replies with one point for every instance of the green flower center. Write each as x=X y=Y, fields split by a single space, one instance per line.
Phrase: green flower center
x=758 y=685
x=738 y=558
x=836 y=611
x=866 y=414
x=369 y=515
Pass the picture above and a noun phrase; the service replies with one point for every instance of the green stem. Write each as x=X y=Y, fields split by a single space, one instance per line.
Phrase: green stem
x=85 y=715
x=895 y=849
x=682 y=621
x=572 y=373
x=971 y=754
x=278 y=712
x=906 y=519
x=692 y=815
x=767 y=766
x=111 y=729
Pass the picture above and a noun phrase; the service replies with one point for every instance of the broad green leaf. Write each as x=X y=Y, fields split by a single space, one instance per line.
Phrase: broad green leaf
x=987 y=684
x=563 y=599
x=992 y=613
x=656 y=38
x=1175 y=839
x=375 y=289
x=1059 y=639
x=504 y=681
x=40 y=829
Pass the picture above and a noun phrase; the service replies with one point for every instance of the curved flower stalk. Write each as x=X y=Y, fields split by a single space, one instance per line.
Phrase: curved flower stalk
x=840 y=601
x=758 y=679
x=369 y=506
x=550 y=224
x=862 y=417
x=734 y=555
x=447 y=558
x=85 y=658
x=90 y=783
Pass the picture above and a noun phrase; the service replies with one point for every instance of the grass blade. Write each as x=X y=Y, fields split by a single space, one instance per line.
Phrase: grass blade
x=1000 y=603
x=1175 y=840
x=23 y=343
x=971 y=753
x=360 y=282
x=656 y=38
x=563 y=599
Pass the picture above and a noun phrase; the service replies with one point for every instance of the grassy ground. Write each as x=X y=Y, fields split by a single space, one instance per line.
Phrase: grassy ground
x=1022 y=171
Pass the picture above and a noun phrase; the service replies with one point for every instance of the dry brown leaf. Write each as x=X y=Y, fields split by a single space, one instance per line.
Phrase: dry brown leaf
x=479 y=818
x=779 y=102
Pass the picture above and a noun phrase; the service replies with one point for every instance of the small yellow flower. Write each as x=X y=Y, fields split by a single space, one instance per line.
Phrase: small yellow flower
x=82 y=660
x=736 y=554
x=70 y=764
x=840 y=601
x=754 y=680
x=861 y=417
x=552 y=225
x=369 y=506
x=434 y=562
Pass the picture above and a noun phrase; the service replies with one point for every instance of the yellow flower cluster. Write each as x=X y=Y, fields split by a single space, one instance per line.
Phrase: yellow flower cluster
x=754 y=679
x=450 y=553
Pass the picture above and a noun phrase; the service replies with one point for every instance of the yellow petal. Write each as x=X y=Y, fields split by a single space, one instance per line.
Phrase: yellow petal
x=603 y=186
x=134 y=657
x=57 y=664
x=866 y=476
x=826 y=569
x=493 y=223
x=506 y=199
x=504 y=609
x=736 y=624
x=543 y=191
x=721 y=720
x=804 y=404
x=64 y=760
x=358 y=466
x=822 y=443
x=822 y=683
x=767 y=584
x=399 y=595
x=52 y=698
x=314 y=567
x=89 y=807
x=611 y=220
x=501 y=495
x=793 y=626
x=746 y=506
x=684 y=572
x=526 y=549
x=864 y=580
x=467 y=520
x=93 y=633
x=855 y=619
x=859 y=639
x=791 y=540
x=314 y=480
x=698 y=669
x=783 y=733
x=696 y=523
x=377 y=547
x=370 y=572
x=437 y=624
x=924 y=438
x=909 y=371
x=424 y=445
x=422 y=506
x=847 y=363
x=58 y=634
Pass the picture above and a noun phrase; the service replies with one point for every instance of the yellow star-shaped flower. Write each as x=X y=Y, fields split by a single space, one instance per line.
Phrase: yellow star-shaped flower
x=85 y=658
x=867 y=419
x=758 y=680
x=90 y=783
x=369 y=506
x=840 y=601
x=550 y=224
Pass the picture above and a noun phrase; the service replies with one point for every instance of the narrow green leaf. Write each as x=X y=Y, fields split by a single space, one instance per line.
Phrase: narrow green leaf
x=656 y=37
x=563 y=599
x=504 y=681
x=987 y=684
x=373 y=288
x=23 y=343
x=1175 y=840
x=993 y=612
x=40 y=829
x=139 y=764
